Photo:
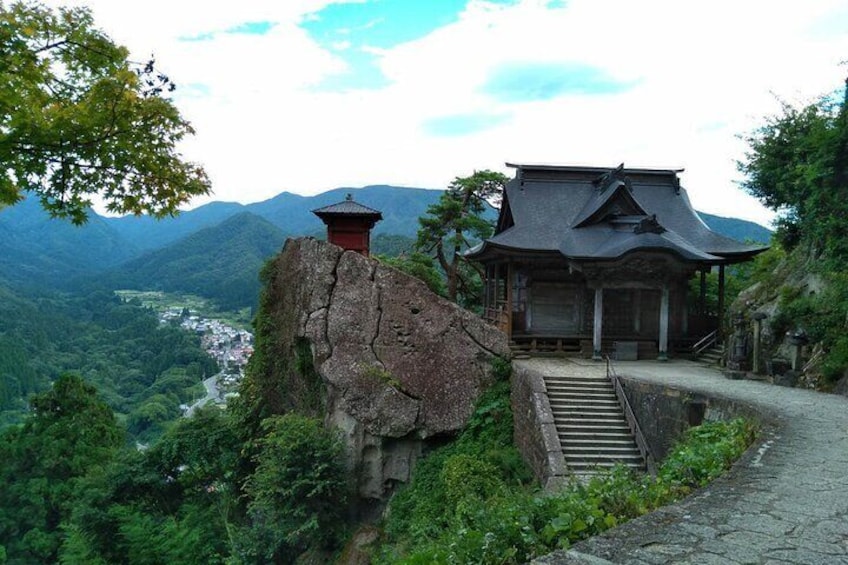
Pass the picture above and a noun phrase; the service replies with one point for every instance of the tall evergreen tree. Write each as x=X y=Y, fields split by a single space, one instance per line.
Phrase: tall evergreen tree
x=456 y=221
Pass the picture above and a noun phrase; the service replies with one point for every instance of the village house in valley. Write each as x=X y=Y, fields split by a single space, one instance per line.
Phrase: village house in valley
x=598 y=260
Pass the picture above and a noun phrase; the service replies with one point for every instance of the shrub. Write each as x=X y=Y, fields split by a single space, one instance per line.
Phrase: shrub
x=298 y=493
x=471 y=517
x=465 y=476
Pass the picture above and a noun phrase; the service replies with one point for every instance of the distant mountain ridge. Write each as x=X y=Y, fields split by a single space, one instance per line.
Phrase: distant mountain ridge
x=734 y=228
x=291 y=213
x=206 y=250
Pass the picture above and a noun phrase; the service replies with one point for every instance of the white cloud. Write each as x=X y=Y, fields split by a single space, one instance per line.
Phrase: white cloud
x=702 y=73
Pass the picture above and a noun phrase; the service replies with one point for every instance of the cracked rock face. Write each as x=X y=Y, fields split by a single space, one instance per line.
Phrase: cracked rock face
x=400 y=363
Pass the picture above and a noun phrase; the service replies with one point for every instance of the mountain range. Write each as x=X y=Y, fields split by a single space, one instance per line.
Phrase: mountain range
x=215 y=250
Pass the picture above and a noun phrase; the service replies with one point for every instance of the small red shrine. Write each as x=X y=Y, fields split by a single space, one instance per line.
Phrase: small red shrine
x=349 y=224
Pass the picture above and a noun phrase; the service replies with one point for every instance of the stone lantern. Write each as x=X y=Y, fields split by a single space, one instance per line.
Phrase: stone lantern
x=797 y=339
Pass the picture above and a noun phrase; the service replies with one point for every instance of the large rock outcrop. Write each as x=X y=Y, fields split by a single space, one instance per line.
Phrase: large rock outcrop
x=399 y=363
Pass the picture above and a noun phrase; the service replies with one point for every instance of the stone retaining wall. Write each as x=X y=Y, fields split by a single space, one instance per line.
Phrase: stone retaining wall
x=665 y=412
x=534 y=429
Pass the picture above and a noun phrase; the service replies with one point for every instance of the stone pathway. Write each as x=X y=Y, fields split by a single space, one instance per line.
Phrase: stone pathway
x=785 y=501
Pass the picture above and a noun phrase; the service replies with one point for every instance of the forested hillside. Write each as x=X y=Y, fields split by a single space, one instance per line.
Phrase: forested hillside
x=143 y=371
x=221 y=262
x=798 y=165
x=45 y=252
x=737 y=229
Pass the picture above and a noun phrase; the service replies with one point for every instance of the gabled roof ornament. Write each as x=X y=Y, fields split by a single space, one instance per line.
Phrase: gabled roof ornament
x=613 y=178
x=649 y=225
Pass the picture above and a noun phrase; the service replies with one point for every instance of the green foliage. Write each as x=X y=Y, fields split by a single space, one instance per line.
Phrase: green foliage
x=501 y=369
x=466 y=477
x=419 y=266
x=68 y=434
x=705 y=452
x=419 y=511
x=77 y=119
x=391 y=245
x=174 y=503
x=452 y=225
x=279 y=376
x=733 y=285
x=138 y=366
x=823 y=316
x=797 y=165
x=436 y=521
x=298 y=491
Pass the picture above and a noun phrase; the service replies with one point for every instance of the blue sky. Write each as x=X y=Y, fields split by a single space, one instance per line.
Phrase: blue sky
x=309 y=95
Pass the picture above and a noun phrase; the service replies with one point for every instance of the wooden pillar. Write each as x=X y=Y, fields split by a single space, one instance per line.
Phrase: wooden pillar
x=663 y=345
x=490 y=288
x=510 y=274
x=637 y=310
x=721 y=303
x=684 y=306
x=495 y=289
x=485 y=291
x=598 y=323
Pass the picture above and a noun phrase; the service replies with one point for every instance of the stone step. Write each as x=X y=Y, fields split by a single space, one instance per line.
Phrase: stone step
x=577 y=381
x=571 y=450
x=586 y=412
x=563 y=385
x=590 y=424
x=591 y=427
x=589 y=457
x=584 y=401
x=587 y=380
x=578 y=404
x=564 y=389
x=583 y=468
x=582 y=393
x=585 y=417
x=613 y=442
x=595 y=435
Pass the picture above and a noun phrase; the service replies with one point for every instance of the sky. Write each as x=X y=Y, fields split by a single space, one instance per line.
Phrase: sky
x=308 y=95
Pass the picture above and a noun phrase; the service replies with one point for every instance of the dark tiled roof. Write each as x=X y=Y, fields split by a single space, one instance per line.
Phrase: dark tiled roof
x=347 y=207
x=564 y=210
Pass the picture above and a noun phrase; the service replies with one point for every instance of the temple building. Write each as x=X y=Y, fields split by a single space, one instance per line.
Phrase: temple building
x=594 y=260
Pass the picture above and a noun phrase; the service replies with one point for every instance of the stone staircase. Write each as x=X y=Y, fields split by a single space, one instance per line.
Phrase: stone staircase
x=712 y=356
x=591 y=424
